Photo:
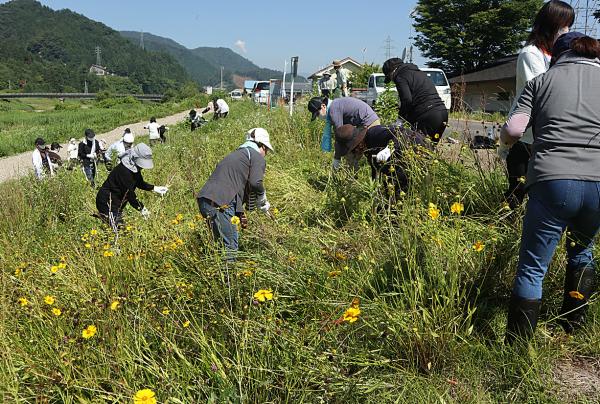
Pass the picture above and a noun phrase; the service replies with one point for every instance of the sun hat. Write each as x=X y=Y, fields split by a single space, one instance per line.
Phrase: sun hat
x=141 y=155
x=128 y=137
x=347 y=137
x=388 y=68
x=261 y=136
x=314 y=106
x=337 y=63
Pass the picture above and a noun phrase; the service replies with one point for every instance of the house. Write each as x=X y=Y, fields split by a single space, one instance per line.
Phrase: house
x=99 y=70
x=490 y=88
x=348 y=63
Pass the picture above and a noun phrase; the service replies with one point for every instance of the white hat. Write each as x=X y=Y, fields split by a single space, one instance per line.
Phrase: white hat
x=250 y=134
x=128 y=137
x=260 y=135
x=142 y=156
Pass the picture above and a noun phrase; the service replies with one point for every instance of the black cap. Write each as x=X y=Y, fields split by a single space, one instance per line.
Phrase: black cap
x=563 y=44
x=55 y=146
x=39 y=141
x=389 y=66
x=89 y=133
x=314 y=106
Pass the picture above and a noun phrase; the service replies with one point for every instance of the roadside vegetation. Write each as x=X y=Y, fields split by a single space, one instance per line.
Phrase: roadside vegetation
x=339 y=298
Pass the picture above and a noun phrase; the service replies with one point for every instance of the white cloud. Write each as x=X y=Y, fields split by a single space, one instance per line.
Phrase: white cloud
x=241 y=45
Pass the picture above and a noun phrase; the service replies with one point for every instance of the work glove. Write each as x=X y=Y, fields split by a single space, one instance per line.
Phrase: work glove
x=336 y=164
x=503 y=150
x=145 y=213
x=91 y=156
x=161 y=190
x=384 y=155
x=263 y=203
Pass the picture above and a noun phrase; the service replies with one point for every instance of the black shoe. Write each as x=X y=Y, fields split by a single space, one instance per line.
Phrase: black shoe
x=522 y=318
x=579 y=286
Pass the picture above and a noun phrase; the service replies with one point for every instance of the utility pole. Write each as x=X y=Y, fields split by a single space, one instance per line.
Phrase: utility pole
x=85 y=89
x=388 y=47
x=98 y=52
x=294 y=73
x=221 y=78
x=283 y=84
x=142 y=40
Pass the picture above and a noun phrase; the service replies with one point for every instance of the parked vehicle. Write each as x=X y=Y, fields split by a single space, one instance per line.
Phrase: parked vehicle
x=260 y=92
x=376 y=86
x=236 y=94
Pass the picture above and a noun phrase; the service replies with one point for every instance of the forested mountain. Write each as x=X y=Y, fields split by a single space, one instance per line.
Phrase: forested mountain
x=46 y=50
x=203 y=64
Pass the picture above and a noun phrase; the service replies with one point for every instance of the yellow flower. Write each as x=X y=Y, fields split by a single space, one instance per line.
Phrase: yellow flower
x=54 y=269
x=247 y=272
x=179 y=217
x=275 y=211
x=522 y=180
x=115 y=305
x=186 y=324
x=23 y=301
x=478 y=246
x=108 y=253
x=333 y=274
x=89 y=332
x=93 y=232
x=179 y=241
x=174 y=221
x=433 y=211
x=49 y=300
x=576 y=295
x=62 y=265
x=457 y=208
x=106 y=246
x=165 y=311
x=235 y=220
x=88 y=245
x=351 y=314
x=128 y=228
x=145 y=396
x=263 y=295
x=56 y=311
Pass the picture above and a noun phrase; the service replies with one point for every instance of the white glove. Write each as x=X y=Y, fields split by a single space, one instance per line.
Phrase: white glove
x=265 y=206
x=503 y=150
x=336 y=164
x=161 y=190
x=145 y=213
x=91 y=156
x=384 y=155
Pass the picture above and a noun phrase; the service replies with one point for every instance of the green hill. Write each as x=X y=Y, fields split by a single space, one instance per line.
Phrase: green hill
x=46 y=50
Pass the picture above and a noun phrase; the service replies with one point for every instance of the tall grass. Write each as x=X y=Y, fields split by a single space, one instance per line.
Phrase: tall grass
x=187 y=326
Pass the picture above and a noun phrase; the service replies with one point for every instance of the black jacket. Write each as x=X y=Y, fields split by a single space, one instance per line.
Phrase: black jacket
x=119 y=188
x=85 y=148
x=416 y=91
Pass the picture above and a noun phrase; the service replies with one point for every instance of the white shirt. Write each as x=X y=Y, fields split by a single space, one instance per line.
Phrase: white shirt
x=222 y=106
x=38 y=165
x=531 y=63
x=72 y=151
x=117 y=147
x=153 y=130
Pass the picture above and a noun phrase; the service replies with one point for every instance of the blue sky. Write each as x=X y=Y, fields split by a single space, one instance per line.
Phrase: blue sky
x=269 y=31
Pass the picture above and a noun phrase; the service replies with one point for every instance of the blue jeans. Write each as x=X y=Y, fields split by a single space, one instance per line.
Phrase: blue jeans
x=554 y=206
x=219 y=220
x=90 y=173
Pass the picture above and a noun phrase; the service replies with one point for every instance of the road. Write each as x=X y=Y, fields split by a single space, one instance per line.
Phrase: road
x=19 y=165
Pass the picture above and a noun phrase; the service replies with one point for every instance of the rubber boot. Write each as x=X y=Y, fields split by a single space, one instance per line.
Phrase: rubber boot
x=579 y=286
x=522 y=318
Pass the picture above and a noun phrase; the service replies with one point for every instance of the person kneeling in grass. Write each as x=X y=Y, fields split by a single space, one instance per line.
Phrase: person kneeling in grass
x=119 y=188
x=236 y=179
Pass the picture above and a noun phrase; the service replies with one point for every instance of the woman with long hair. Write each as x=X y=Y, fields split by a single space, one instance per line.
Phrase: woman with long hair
x=563 y=181
x=554 y=19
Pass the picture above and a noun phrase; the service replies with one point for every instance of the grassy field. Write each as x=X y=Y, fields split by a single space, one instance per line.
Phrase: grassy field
x=22 y=121
x=88 y=320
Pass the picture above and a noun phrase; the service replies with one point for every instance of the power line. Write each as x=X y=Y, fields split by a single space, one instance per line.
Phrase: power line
x=584 y=16
x=389 y=47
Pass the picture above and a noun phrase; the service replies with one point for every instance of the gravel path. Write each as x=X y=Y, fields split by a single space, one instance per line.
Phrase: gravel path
x=20 y=164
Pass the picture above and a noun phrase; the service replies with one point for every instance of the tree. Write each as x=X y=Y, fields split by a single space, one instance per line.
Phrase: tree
x=463 y=35
x=360 y=78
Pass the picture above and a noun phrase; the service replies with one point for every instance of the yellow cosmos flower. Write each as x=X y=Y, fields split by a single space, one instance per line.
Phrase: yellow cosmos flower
x=145 y=396
x=478 y=246
x=93 y=232
x=235 y=220
x=186 y=324
x=56 y=311
x=108 y=253
x=54 y=269
x=351 y=314
x=433 y=211
x=263 y=295
x=165 y=311
x=49 y=300
x=62 y=265
x=23 y=301
x=457 y=208
x=115 y=305
x=88 y=245
x=89 y=332
x=576 y=295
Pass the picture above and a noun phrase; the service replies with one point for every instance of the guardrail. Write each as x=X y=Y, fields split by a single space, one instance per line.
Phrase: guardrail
x=144 y=97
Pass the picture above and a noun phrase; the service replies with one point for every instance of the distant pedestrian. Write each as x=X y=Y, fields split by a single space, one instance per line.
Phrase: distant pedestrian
x=341 y=77
x=116 y=151
x=40 y=158
x=153 y=134
x=341 y=111
x=220 y=108
x=121 y=184
x=326 y=85
x=196 y=120
x=553 y=19
x=72 y=153
x=420 y=103
x=235 y=179
x=89 y=152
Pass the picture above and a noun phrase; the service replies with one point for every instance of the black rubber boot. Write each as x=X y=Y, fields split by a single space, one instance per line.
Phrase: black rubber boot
x=522 y=318
x=579 y=286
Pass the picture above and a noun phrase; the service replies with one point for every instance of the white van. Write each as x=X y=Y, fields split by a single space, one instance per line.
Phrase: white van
x=260 y=92
x=376 y=86
x=441 y=84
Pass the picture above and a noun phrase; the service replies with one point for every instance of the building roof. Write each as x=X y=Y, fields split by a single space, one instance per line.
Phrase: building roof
x=319 y=73
x=500 y=69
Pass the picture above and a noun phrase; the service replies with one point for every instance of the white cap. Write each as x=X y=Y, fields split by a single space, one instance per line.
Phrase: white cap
x=128 y=137
x=260 y=135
